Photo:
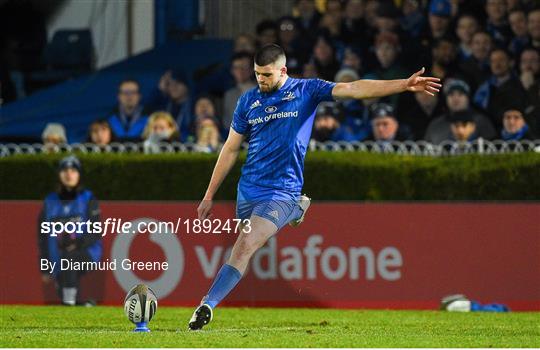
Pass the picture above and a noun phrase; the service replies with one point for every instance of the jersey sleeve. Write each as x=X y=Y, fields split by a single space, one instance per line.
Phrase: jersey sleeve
x=239 y=121
x=321 y=89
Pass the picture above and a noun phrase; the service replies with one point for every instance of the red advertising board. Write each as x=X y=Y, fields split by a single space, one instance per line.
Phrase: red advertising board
x=405 y=255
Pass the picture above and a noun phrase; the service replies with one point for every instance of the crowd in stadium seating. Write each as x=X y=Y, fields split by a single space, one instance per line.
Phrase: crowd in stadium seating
x=486 y=52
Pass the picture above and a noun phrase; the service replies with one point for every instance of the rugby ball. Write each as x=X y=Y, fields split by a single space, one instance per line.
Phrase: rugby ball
x=140 y=304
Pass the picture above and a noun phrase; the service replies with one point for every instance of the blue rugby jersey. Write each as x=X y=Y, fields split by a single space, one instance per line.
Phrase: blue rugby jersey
x=278 y=128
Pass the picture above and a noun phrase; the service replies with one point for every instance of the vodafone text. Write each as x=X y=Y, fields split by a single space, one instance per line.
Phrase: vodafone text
x=311 y=261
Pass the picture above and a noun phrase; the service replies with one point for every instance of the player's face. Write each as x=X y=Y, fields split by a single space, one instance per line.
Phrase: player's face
x=269 y=76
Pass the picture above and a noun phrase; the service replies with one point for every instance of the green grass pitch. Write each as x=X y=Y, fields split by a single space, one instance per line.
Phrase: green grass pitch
x=56 y=326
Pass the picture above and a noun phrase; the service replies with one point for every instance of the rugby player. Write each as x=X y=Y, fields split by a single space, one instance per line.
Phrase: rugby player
x=276 y=119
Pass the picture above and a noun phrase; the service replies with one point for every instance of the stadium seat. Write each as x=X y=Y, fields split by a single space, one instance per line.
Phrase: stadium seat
x=69 y=54
x=70 y=49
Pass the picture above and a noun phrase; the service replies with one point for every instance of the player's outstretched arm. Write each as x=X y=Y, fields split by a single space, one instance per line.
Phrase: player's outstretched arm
x=227 y=158
x=378 y=88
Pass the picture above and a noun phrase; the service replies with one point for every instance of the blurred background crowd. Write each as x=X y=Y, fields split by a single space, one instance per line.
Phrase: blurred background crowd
x=486 y=52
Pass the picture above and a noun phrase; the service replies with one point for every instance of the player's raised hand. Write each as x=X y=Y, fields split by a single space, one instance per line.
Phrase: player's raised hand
x=203 y=211
x=418 y=83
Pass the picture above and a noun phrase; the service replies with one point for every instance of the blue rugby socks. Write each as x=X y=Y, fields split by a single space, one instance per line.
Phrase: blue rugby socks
x=226 y=279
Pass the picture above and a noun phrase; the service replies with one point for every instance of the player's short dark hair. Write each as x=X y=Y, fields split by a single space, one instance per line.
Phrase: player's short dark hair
x=268 y=54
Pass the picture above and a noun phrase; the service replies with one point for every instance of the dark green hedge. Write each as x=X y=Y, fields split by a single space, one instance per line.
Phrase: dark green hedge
x=332 y=176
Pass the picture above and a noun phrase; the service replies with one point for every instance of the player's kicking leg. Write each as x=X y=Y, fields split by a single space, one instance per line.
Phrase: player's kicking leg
x=251 y=238
x=266 y=220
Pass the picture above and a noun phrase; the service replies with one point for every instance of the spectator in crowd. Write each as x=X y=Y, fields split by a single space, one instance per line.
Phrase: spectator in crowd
x=70 y=203
x=529 y=67
x=386 y=50
x=355 y=115
x=174 y=97
x=289 y=40
x=352 y=58
x=327 y=126
x=518 y=24
x=387 y=19
x=463 y=127
x=128 y=120
x=324 y=58
x=371 y=7
x=331 y=27
x=310 y=70
x=100 y=132
x=415 y=111
x=497 y=25
x=385 y=126
x=476 y=67
x=205 y=108
x=501 y=90
x=515 y=127
x=467 y=25
x=208 y=137
x=353 y=22
x=457 y=100
x=206 y=124
x=412 y=19
x=266 y=33
x=242 y=71
x=443 y=54
x=440 y=13
x=244 y=43
x=533 y=25
x=161 y=128
x=308 y=19
x=54 y=134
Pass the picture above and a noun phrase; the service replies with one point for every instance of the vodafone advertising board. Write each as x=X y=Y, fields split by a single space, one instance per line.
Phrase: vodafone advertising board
x=404 y=255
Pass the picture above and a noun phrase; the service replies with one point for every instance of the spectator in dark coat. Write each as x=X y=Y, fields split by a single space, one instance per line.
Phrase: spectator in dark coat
x=529 y=67
x=518 y=24
x=497 y=25
x=466 y=26
x=242 y=71
x=502 y=90
x=533 y=25
x=266 y=33
x=308 y=19
x=457 y=100
x=416 y=111
x=173 y=96
x=476 y=67
x=296 y=49
x=324 y=58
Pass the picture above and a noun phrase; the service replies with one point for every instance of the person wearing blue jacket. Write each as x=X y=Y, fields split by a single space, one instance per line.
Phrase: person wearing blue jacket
x=129 y=119
x=69 y=203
